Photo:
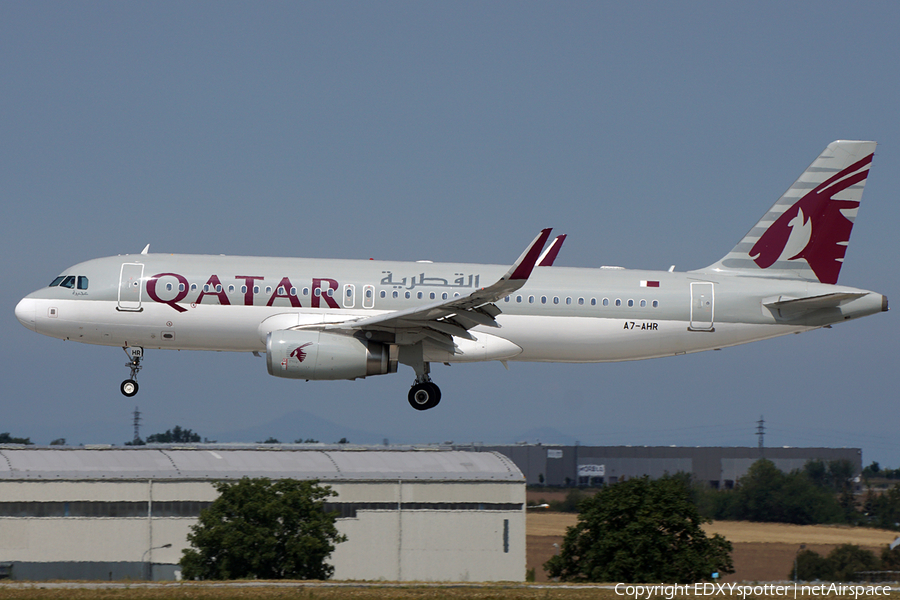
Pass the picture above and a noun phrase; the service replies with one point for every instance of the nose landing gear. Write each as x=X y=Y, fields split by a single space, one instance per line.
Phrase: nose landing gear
x=129 y=387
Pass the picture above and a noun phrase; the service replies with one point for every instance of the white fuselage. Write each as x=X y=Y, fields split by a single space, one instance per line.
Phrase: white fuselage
x=227 y=303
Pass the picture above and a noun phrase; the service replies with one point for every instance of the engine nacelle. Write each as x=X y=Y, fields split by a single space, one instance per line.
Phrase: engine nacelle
x=316 y=355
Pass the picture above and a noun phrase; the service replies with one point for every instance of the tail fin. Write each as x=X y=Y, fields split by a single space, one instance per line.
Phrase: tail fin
x=805 y=234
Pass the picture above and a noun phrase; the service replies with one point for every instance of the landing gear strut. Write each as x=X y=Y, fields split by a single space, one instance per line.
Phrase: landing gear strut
x=424 y=393
x=129 y=387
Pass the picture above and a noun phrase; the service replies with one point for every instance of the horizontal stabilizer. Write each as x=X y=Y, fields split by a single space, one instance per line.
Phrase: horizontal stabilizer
x=799 y=305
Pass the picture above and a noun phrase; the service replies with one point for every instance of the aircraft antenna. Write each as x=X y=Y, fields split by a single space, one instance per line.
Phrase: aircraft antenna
x=137 y=425
x=760 y=433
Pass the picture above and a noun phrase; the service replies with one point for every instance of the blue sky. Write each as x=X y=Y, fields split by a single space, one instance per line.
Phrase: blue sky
x=652 y=133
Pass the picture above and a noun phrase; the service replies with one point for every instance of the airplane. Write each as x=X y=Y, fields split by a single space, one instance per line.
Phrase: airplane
x=328 y=319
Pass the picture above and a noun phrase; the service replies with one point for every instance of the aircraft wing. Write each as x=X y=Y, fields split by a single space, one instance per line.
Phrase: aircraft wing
x=440 y=320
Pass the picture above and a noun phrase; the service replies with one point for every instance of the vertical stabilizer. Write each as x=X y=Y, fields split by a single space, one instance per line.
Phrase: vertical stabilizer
x=806 y=233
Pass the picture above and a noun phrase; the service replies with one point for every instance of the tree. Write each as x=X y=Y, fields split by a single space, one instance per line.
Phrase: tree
x=174 y=436
x=258 y=528
x=641 y=530
x=767 y=494
x=841 y=564
x=5 y=438
x=58 y=442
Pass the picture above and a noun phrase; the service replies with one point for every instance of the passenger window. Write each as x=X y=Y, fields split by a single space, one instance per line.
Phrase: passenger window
x=555 y=299
x=506 y=299
x=180 y=287
x=594 y=302
x=82 y=282
x=431 y=295
x=518 y=298
x=306 y=291
x=606 y=302
x=655 y=304
x=205 y=288
x=168 y=287
x=383 y=293
x=230 y=289
x=419 y=295
x=444 y=296
x=68 y=282
x=194 y=287
x=293 y=291
x=218 y=289
x=543 y=299
x=255 y=289
x=243 y=289
x=581 y=301
x=396 y=294
x=630 y=303
x=618 y=302
x=530 y=299
x=330 y=293
x=643 y=303
x=368 y=293
x=318 y=292
x=568 y=301
x=57 y=281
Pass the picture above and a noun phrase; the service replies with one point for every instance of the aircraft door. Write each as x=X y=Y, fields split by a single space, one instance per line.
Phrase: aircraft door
x=702 y=306
x=130 y=286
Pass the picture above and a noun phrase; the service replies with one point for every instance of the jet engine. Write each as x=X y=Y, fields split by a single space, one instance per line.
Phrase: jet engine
x=316 y=355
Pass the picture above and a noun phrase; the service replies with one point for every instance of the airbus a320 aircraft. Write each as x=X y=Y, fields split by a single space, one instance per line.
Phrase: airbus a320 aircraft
x=321 y=319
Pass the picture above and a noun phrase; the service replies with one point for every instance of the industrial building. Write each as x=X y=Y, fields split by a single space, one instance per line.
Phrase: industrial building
x=721 y=467
x=116 y=513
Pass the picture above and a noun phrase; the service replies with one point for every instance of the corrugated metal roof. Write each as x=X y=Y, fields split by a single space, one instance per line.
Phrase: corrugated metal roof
x=276 y=462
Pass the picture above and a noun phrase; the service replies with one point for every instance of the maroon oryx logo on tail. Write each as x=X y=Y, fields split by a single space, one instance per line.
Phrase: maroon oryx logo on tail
x=298 y=352
x=814 y=228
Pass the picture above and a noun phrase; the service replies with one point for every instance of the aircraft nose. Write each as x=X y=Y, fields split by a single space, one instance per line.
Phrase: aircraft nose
x=25 y=312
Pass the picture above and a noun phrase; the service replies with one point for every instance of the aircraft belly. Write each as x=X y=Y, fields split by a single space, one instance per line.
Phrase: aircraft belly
x=579 y=339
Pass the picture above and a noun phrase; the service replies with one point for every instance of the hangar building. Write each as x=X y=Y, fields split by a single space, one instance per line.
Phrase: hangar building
x=721 y=467
x=116 y=513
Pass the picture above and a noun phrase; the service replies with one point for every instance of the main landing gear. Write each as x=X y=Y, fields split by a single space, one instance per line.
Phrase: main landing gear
x=424 y=393
x=129 y=387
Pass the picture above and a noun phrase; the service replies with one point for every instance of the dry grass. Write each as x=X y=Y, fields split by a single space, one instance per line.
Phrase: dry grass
x=554 y=524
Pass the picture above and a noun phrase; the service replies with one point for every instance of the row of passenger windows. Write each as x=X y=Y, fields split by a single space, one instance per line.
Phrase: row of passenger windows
x=531 y=299
x=217 y=289
x=349 y=290
x=73 y=282
x=593 y=302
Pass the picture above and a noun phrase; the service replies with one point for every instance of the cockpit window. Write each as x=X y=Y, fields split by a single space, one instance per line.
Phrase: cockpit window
x=70 y=281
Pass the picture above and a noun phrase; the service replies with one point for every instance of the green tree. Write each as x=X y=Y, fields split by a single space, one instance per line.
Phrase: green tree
x=767 y=494
x=640 y=530
x=5 y=438
x=841 y=564
x=258 y=528
x=174 y=436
